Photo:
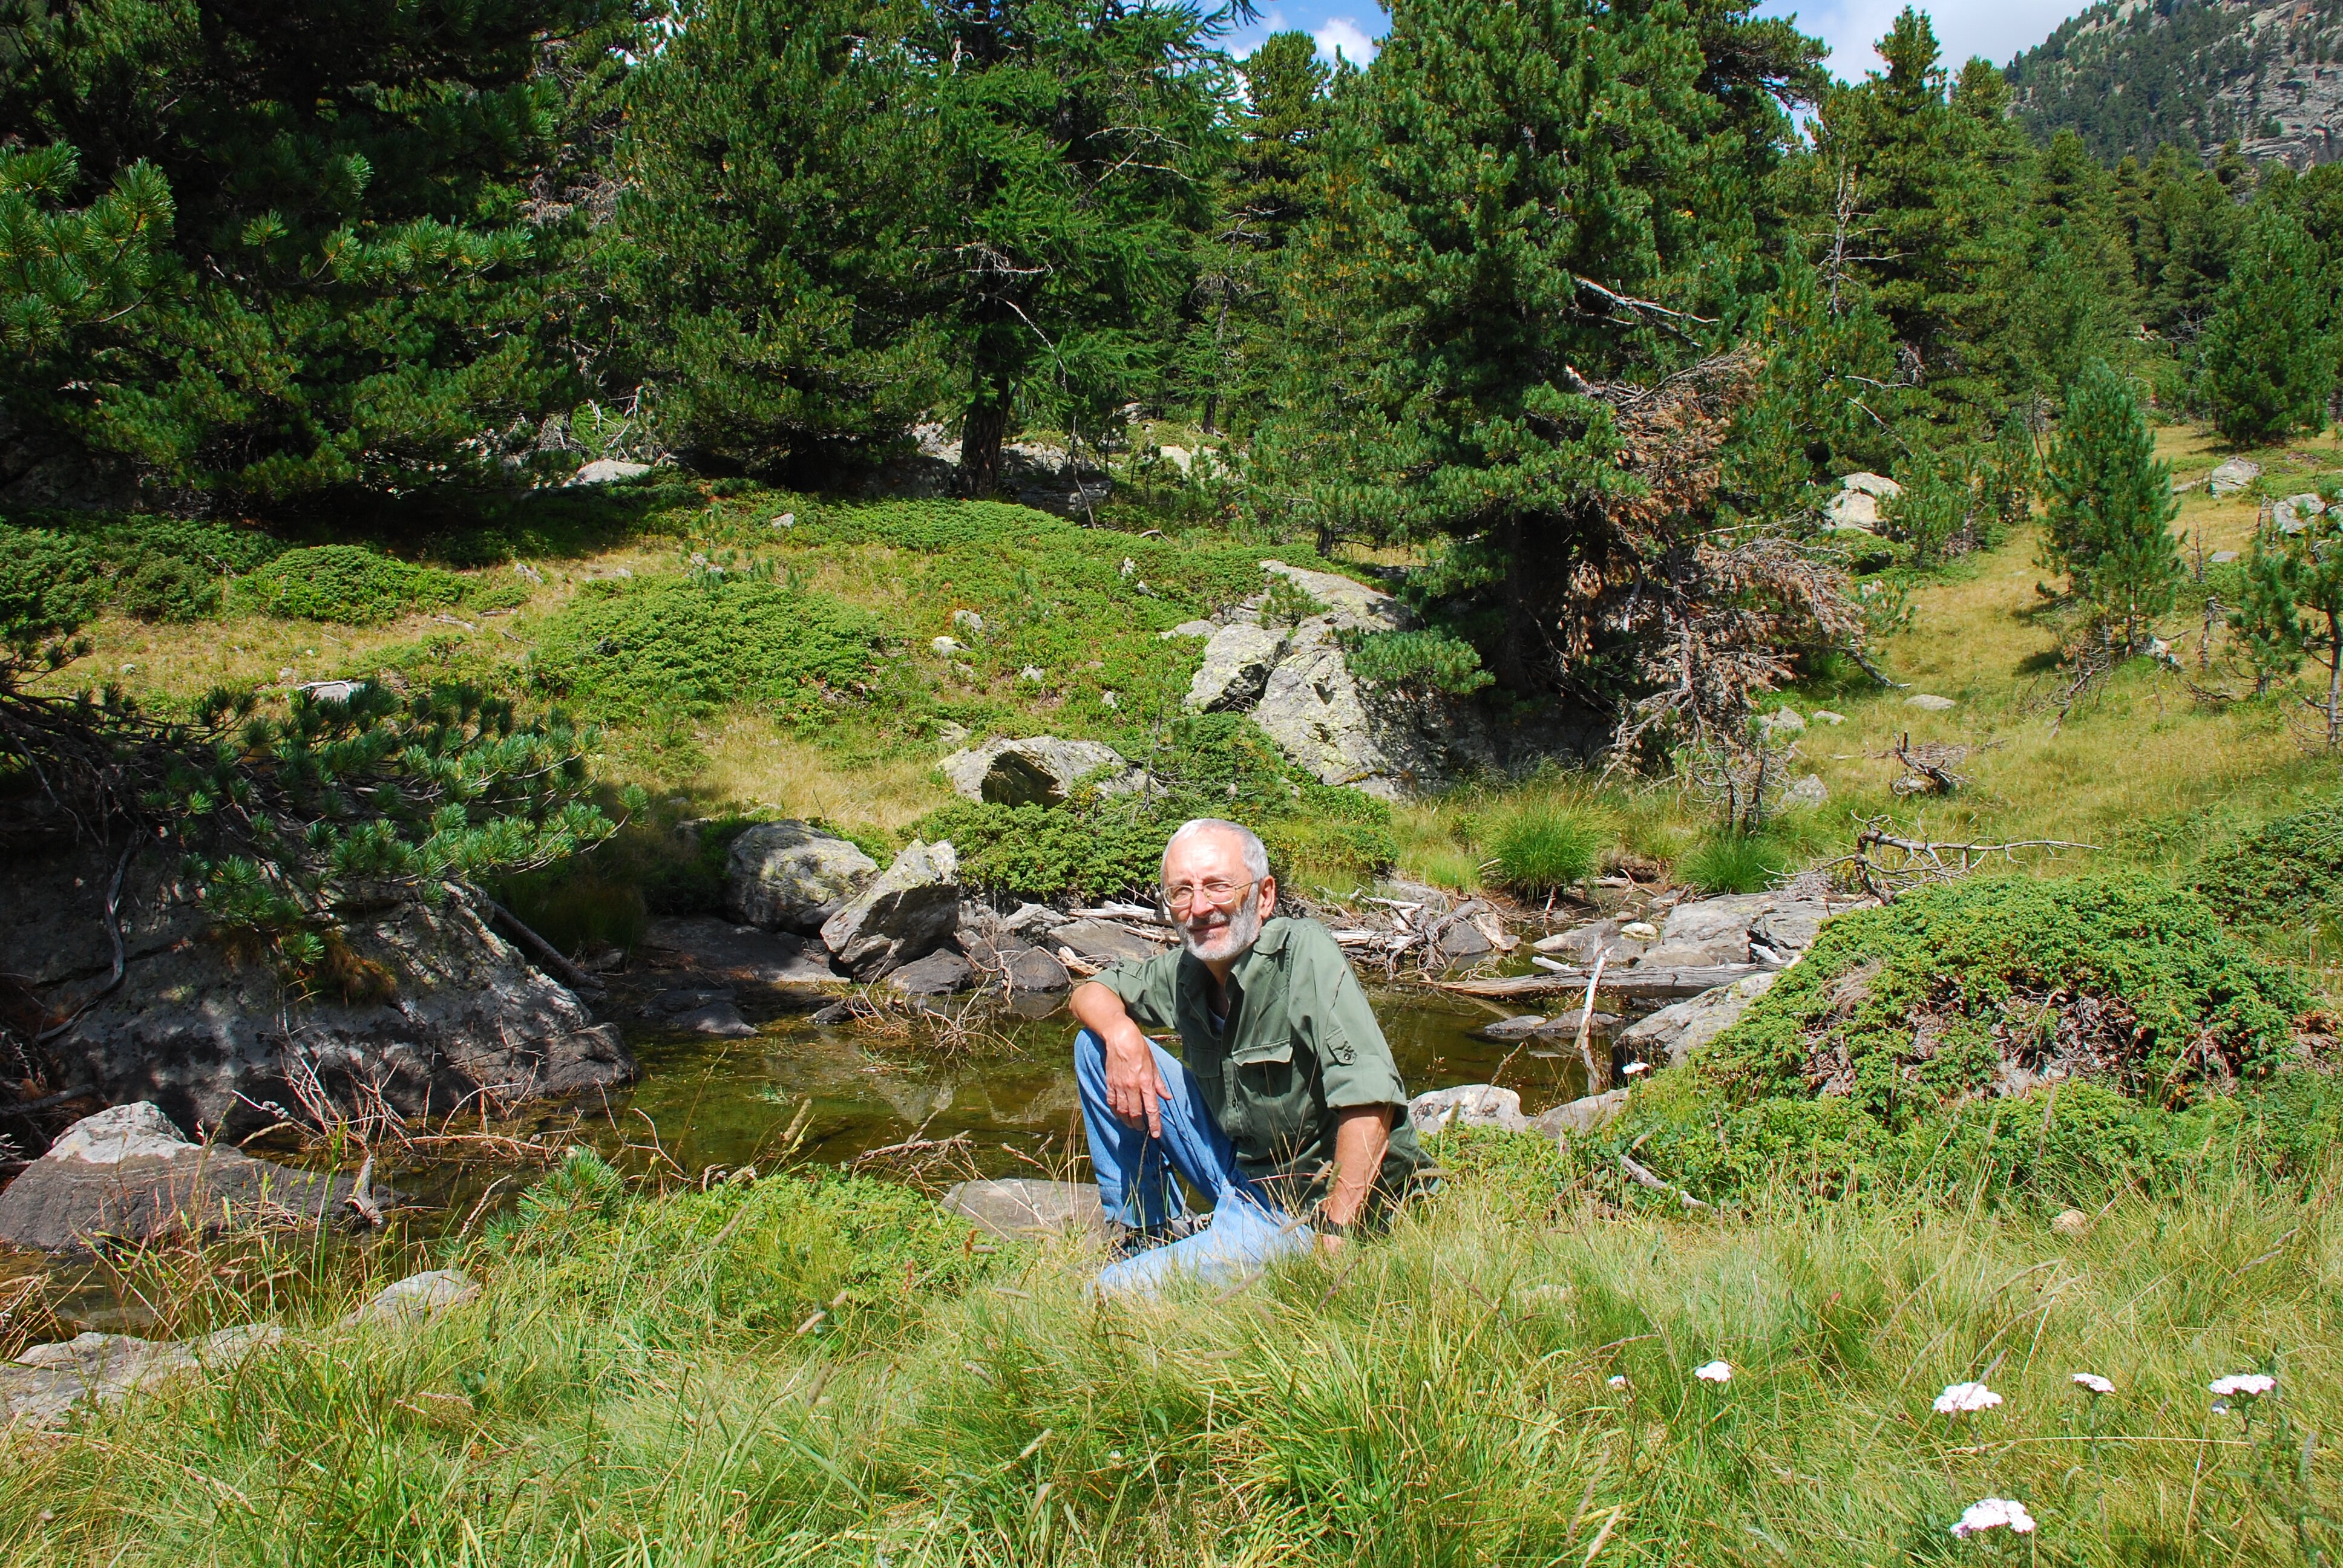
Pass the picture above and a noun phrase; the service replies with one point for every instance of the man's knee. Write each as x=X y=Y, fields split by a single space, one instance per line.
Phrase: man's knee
x=1089 y=1057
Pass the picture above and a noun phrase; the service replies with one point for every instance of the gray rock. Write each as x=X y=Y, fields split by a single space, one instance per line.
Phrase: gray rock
x=1191 y=628
x=1928 y=702
x=1102 y=942
x=790 y=877
x=718 y=1019
x=1790 y=928
x=1031 y=921
x=2233 y=476
x=1851 y=510
x=217 y=1044
x=1707 y=932
x=1582 y=1116
x=1235 y=670
x=1468 y=1105
x=1022 y=1206
x=940 y=973
x=1351 y=605
x=43 y=1387
x=1879 y=487
x=1463 y=941
x=1582 y=944
x=1015 y=966
x=2223 y=558
x=1782 y=722
x=1675 y=1032
x=1505 y=1030
x=1806 y=793
x=902 y=916
x=131 y=1178
x=968 y=623
x=608 y=471
x=946 y=647
x=417 y=1299
x=1317 y=715
x=1825 y=715
x=1039 y=771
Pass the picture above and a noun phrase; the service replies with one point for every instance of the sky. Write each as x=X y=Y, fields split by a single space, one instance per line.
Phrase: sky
x=1997 y=29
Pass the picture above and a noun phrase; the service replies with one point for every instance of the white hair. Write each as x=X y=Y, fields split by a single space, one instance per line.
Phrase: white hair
x=1255 y=853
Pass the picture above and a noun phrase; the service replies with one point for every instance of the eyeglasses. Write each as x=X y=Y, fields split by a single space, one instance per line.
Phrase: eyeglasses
x=1214 y=895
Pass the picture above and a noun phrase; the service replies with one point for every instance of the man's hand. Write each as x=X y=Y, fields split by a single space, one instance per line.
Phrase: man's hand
x=1134 y=1089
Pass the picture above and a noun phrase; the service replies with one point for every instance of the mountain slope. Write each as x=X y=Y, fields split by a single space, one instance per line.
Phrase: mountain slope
x=2128 y=76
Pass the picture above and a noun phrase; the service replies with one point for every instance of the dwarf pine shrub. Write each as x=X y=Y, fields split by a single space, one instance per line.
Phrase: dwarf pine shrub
x=2286 y=871
x=346 y=584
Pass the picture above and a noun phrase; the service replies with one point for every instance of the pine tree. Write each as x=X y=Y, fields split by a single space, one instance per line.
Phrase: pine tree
x=2265 y=623
x=2109 y=524
x=1074 y=146
x=356 y=284
x=2293 y=607
x=776 y=208
x=2267 y=361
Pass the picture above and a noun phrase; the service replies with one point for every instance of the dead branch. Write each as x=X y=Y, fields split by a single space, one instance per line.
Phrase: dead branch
x=1930 y=767
x=1888 y=865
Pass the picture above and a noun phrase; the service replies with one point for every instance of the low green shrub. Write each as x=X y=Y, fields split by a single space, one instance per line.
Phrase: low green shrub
x=1734 y=863
x=676 y=647
x=2286 y=871
x=1541 y=845
x=346 y=584
x=1424 y=660
x=1045 y=853
x=1906 y=1008
x=155 y=568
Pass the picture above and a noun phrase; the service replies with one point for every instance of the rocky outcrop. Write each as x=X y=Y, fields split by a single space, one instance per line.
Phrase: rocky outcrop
x=903 y=915
x=1236 y=668
x=1039 y=771
x=790 y=877
x=127 y=1174
x=441 y=1011
x=1467 y=1105
x=2237 y=474
x=1671 y=1035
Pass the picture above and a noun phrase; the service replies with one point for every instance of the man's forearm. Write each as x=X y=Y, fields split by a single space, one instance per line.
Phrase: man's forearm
x=1362 y=1136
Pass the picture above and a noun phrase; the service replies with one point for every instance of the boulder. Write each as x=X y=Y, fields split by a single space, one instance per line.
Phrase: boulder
x=455 y=1012
x=1582 y=944
x=2223 y=558
x=2233 y=476
x=790 y=877
x=1806 y=793
x=1464 y=940
x=1030 y=922
x=1190 y=628
x=1581 y=1115
x=1015 y=966
x=1236 y=668
x=1825 y=715
x=1022 y=1206
x=1351 y=605
x=127 y=1174
x=1039 y=771
x=1505 y=1030
x=608 y=471
x=1102 y=941
x=940 y=973
x=1928 y=702
x=900 y=916
x=1673 y=1033
x=1784 y=722
x=1879 y=487
x=1319 y=718
x=1468 y=1105
x=1789 y=928
x=45 y=1384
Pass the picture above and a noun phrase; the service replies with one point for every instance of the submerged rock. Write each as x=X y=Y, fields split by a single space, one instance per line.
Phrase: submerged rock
x=940 y=973
x=902 y=916
x=788 y=875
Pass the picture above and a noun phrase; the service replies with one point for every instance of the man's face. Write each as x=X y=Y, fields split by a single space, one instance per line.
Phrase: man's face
x=1220 y=907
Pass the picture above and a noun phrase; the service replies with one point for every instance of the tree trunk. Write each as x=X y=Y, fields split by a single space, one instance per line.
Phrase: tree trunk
x=979 y=444
x=2334 y=682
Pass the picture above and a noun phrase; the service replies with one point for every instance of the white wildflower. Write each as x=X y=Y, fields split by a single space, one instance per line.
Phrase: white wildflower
x=1714 y=1371
x=1994 y=1514
x=2093 y=1382
x=1616 y=1379
x=1633 y=1068
x=1966 y=1398
x=2244 y=1384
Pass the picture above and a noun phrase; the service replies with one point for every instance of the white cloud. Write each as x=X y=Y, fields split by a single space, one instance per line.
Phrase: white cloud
x=1344 y=34
x=1997 y=29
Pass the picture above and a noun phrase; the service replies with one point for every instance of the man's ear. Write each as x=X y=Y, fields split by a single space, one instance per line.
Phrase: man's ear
x=1268 y=897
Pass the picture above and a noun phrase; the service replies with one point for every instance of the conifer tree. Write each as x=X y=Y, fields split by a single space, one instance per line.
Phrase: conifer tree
x=2293 y=607
x=2267 y=358
x=356 y=281
x=776 y=152
x=2109 y=524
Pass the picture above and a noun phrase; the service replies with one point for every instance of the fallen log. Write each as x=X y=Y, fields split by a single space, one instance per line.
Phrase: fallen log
x=1675 y=983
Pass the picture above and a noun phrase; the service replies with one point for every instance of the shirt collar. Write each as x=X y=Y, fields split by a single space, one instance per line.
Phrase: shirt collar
x=1271 y=942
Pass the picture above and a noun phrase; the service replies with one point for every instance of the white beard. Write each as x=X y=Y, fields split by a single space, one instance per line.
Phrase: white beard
x=1231 y=939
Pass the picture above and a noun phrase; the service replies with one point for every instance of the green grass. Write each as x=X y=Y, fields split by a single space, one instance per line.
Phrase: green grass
x=1734 y=863
x=1541 y=845
x=648 y=1382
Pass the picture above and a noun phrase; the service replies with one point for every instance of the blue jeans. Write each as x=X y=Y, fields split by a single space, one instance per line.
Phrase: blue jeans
x=1134 y=1170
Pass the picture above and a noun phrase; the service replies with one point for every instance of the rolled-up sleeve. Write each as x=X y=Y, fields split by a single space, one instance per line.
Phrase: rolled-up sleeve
x=1332 y=1016
x=1149 y=989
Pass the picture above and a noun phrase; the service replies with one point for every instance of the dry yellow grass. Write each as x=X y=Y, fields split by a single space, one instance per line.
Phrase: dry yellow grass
x=750 y=763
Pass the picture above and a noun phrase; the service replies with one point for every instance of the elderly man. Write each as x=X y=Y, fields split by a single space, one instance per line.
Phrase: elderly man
x=1288 y=1113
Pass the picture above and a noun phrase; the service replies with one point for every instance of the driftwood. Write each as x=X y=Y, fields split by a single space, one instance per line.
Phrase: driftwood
x=1930 y=766
x=1888 y=865
x=1673 y=983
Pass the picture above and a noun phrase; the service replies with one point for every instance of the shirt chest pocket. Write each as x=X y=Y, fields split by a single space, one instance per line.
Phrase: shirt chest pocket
x=1263 y=1094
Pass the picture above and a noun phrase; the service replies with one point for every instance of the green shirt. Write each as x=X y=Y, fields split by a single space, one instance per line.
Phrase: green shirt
x=1300 y=1043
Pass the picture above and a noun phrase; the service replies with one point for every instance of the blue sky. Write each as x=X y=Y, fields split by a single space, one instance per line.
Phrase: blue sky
x=1997 y=29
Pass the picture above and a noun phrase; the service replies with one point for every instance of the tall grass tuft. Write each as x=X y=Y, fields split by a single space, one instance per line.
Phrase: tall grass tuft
x=1543 y=845
x=1734 y=863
